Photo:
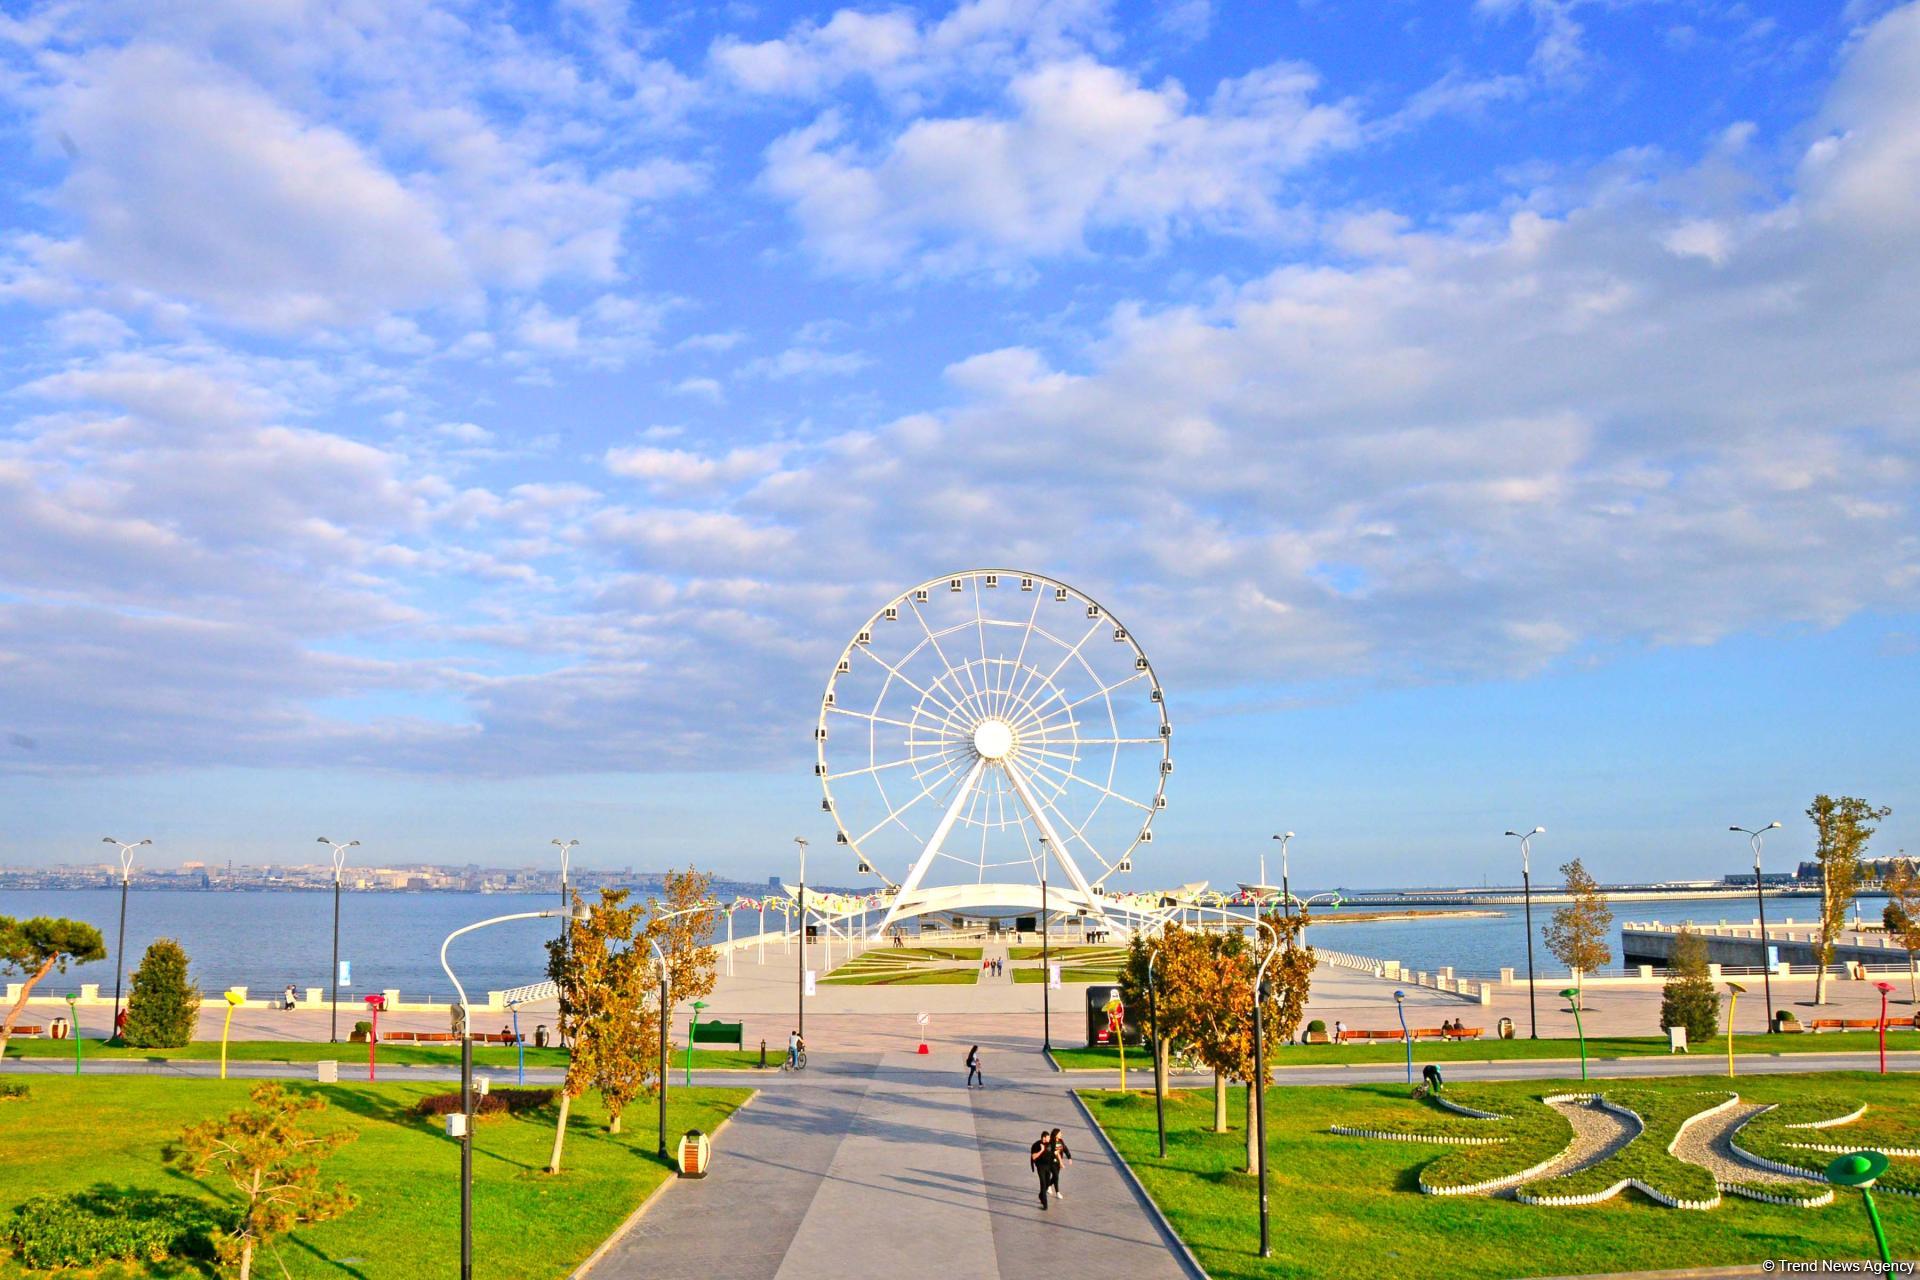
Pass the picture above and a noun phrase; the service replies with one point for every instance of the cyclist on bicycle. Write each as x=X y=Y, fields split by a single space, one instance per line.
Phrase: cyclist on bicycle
x=794 y=1045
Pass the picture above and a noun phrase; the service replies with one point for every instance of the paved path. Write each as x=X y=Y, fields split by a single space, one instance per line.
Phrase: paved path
x=886 y=1166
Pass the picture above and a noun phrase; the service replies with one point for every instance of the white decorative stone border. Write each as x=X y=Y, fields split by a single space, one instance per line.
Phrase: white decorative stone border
x=1830 y=1149
x=1614 y=1190
x=1346 y=1131
x=1792 y=1202
x=1849 y=1118
x=1733 y=1100
x=1467 y=1111
x=1506 y=1180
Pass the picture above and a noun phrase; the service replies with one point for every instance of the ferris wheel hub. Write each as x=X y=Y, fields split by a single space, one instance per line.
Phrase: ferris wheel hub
x=993 y=739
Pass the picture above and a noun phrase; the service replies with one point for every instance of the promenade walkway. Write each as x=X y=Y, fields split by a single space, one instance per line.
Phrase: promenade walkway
x=885 y=1166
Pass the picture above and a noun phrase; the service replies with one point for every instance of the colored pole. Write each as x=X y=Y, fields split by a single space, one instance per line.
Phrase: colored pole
x=226 y=1025
x=1879 y=1232
x=1733 y=1000
x=73 y=1020
x=1766 y=969
x=1883 y=1028
x=1572 y=996
x=373 y=1036
x=518 y=1043
x=1399 y=1002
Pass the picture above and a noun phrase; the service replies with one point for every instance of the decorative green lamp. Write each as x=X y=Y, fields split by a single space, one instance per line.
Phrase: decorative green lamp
x=1572 y=996
x=1859 y=1170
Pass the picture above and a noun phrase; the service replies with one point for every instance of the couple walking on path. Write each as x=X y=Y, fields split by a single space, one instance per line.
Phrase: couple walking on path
x=1046 y=1157
x=992 y=968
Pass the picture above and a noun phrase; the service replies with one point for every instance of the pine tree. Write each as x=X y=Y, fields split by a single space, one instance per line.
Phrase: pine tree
x=165 y=1005
x=1688 y=999
x=37 y=946
x=1577 y=937
x=272 y=1164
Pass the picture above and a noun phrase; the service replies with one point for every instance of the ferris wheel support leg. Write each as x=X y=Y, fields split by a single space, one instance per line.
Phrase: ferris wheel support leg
x=912 y=883
x=1067 y=863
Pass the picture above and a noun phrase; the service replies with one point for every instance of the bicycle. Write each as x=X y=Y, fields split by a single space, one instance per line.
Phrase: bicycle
x=798 y=1062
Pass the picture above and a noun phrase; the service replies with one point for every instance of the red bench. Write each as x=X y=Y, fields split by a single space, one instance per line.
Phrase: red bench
x=1464 y=1033
x=29 y=1031
x=1375 y=1035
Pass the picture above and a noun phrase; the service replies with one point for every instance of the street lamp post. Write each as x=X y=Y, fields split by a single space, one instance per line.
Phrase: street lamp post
x=466 y=1083
x=73 y=1021
x=800 y=974
x=1526 y=892
x=1860 y=1170
x=339 y=862
x=233 y=1002
x=120 y=947
x=566 y=903
x=1753 y=835
x=693 y=1029
x=1046 y=956
x=1286 y=894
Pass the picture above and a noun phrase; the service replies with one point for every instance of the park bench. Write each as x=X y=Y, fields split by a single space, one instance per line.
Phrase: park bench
x=1375 y=1035
x=732 y=1033
x=1464 y=1033
x=1827 y=1024
x=29 y=1031
x=1861 y=1024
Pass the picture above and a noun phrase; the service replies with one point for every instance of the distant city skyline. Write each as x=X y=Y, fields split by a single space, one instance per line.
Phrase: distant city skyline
x=455 y=427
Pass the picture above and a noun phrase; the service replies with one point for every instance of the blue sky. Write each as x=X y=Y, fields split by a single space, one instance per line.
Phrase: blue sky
x=457 y=425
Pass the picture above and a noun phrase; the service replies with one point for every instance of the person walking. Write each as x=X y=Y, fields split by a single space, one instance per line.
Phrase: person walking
x=1061 y=1158
x=1044 y=1163
x=973 y=1068
x=793 y=1051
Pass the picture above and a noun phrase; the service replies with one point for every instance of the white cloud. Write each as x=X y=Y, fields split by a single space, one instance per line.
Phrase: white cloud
x=1083 y=148
x=672 y=469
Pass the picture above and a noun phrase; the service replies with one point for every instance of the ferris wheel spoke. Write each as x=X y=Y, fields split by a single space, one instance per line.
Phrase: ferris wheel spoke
x=877 y=768
x=1020 y=658
x=912 y=882
x=1070 y=776
x=1104 y=691
x=868 y=715
x=899 y=675
x=939 y=652
x=1039 y=812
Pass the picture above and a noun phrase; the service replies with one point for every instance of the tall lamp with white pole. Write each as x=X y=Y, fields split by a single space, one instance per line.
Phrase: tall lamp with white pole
x=1286 y=893
x=120 y=947
x=1526 y=891
x=339 y=862
x=800 y=977
x=1753 y=835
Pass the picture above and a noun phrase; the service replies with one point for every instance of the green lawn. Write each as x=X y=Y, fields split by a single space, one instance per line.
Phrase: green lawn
x=350 y=1055
x=902 y=977
x=71 y=1134
x=1336 y=1197
x=1069 y=954
x=1068 y=973
x=1599 y=1049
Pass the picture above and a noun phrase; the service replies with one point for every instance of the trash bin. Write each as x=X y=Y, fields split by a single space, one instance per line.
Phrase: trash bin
x=695 y=1151
x=540 y=1036
x=57 y=1029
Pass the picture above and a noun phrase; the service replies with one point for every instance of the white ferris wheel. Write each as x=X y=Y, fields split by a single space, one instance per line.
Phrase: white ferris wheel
x=988 y=726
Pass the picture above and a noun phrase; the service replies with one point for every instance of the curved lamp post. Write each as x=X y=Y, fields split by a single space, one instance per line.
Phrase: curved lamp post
x=120 y=947
x=1400 y=1003
x=1572 y=996
x=233 y=1002
x=466 y=1084
x=1753 y=835
x=666 y=1015
x=1859 y=1170
x=1159 y=1065
x=1734 y=992
x=1885 y=989
x=1526 y=892
x=339 y=862
x=692 y=1028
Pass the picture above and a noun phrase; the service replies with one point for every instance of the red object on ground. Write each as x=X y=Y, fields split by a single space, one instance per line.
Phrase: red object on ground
x=922 y=1048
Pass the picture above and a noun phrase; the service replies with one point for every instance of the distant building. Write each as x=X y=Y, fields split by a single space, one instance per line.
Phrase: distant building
x=773 y=882
x=1780 y=879
x=1872 y=869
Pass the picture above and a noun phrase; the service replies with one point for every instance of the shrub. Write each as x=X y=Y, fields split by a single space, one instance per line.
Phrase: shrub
x=1784 y=1016
x=110 y=1224
x=164 y=1006
x=1688 y=999
x=496 y=1102
x=12 y=1089
x=1316 y=1026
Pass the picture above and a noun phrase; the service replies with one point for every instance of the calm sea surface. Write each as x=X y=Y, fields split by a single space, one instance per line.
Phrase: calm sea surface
x=266 y=940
